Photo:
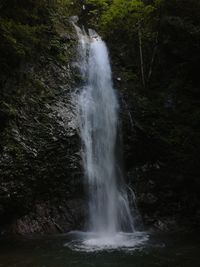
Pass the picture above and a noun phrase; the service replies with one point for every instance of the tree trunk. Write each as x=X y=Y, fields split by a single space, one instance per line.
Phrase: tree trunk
x=153 y=59
x=141 y=58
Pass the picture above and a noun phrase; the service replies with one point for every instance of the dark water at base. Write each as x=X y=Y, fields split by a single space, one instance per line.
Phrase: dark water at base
x=160 y=251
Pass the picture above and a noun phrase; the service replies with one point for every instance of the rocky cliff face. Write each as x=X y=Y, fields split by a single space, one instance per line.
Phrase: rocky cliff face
x=41 y=187
x=163 y=194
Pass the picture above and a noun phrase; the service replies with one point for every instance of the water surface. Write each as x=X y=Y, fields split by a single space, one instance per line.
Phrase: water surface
x=160 y=251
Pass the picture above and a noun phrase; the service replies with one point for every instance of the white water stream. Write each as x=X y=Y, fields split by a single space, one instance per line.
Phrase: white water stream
x=110 y=222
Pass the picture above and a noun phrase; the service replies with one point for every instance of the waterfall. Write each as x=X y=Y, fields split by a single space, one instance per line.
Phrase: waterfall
x=110 y=223
x=109 y=210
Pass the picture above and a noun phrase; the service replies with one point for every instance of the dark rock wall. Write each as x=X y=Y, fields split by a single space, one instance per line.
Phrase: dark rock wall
x=166 y=196
x=40 y=172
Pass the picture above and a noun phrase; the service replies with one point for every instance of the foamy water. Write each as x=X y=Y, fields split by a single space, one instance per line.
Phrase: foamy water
x=92 y=242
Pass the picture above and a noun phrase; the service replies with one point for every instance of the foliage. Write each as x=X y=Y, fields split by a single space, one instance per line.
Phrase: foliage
x=26 y=28
x=96 y=8
x=128 y=13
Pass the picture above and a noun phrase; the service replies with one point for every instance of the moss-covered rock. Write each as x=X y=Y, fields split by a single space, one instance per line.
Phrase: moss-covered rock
x=39 y=145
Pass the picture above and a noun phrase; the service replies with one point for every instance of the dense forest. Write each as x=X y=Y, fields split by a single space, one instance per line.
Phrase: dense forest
x=154 y=47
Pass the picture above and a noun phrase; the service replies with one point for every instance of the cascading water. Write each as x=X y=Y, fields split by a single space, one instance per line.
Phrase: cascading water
x=108 y=204
x=110 y=221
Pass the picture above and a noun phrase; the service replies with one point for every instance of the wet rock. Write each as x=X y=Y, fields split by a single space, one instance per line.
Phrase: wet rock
x=165 y=225
x=48 y=218
x=65 y=37
x=40 y=146
x=148 y=198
